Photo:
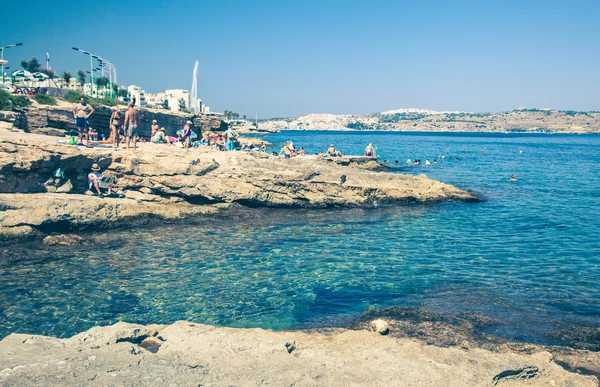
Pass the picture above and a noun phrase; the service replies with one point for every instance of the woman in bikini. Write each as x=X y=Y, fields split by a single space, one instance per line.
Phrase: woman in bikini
x=115 y=126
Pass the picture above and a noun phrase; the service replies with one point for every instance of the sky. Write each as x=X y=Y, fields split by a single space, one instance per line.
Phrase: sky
x=290 y=58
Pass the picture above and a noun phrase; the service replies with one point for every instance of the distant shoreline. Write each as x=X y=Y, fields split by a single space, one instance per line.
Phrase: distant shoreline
x=421 y=132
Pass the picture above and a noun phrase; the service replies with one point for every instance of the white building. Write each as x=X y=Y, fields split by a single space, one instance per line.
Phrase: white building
x=138 y=93
x=177 y=99
x=155 y=101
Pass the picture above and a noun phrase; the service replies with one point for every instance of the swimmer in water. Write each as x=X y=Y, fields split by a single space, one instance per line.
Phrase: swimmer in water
x=513 y=178
x=427 y=162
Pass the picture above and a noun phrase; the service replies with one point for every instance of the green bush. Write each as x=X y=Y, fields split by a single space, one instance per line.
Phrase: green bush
x=20 y=100
x=106 y=102
x=72 y=96
x=45 y=99
x=5 y=102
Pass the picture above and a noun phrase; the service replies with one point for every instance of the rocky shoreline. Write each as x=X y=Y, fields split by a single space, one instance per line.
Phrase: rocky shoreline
x=161 y=182
x=375 y=352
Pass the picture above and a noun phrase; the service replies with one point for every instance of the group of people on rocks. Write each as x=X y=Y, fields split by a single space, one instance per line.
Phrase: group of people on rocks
x=127 y=125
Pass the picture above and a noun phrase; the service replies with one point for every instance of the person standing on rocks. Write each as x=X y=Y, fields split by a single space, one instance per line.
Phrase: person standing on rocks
x=115 y=127
x=231 y=136
x=82 y=112
x=132 y=121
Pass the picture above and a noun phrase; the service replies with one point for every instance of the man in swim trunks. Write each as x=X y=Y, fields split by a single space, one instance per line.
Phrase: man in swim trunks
x=132 y=121
x=82 y=112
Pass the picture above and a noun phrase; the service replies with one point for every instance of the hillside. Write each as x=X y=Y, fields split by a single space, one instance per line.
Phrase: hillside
x=530 y=120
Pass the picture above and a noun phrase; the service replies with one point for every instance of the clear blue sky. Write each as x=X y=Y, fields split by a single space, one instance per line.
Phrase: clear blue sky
x=289 y=58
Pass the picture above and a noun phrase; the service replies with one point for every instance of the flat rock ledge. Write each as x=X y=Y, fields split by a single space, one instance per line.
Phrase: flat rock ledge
x=167 y=183
x=187 y=354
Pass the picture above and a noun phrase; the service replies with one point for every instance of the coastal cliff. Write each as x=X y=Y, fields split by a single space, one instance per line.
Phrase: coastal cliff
x=57 y=120
x=166 y=182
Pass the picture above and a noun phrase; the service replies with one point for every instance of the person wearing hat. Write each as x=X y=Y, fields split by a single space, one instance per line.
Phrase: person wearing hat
x=231 y=136
x=331 y=151
x=369 y=150
x=160 y=136
x=155 y=128
x=186 y=134
x=99 y=181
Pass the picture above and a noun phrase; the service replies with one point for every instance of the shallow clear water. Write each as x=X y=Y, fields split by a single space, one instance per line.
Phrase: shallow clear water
x=529 y=255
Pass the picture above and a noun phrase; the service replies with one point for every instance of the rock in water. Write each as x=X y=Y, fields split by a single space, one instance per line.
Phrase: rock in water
x=64 y=240
x=380 y=326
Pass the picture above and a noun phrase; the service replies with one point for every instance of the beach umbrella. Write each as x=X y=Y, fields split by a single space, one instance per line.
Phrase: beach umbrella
x=22 y=74
x=40 y=76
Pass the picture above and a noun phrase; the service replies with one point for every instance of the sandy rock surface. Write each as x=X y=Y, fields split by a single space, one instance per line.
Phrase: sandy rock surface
x=189 y=354
x=165 y=182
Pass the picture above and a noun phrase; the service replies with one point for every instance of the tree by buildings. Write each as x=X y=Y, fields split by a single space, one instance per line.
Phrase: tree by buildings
x=66 y=75
x=32 y=65
x=81 y=77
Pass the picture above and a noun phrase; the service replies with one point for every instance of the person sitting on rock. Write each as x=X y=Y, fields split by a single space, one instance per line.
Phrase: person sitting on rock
x=287 y=150
x=155 y=128
x=369 y=150
x=99 y=181
x=219 y=142
x=332 y=152
x=302 y=152
x=159 y=136
x=186 y=135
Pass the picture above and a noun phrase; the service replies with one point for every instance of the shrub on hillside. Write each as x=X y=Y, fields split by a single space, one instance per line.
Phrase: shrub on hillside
x=45 y=99
x=72 y=96
x=106 y=102
x=5 y=102
x=19 y=100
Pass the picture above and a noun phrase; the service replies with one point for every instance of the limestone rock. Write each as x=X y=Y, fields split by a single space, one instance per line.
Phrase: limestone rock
x=196 y=354
x=380 y=326
x=65 y=240
x=165 y=182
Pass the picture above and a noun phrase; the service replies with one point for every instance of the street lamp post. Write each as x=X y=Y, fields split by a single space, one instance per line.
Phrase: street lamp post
x=111 y=69
x=91 y=68
x=103 y=62
x=2 y=51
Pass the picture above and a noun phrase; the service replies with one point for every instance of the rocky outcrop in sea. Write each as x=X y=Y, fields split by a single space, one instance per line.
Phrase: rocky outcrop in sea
x=162 y=182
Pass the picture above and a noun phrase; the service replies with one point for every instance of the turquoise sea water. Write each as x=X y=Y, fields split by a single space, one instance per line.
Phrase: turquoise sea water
x=529 y=255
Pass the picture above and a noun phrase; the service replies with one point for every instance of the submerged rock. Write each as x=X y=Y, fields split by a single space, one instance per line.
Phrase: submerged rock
x=65 y=240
